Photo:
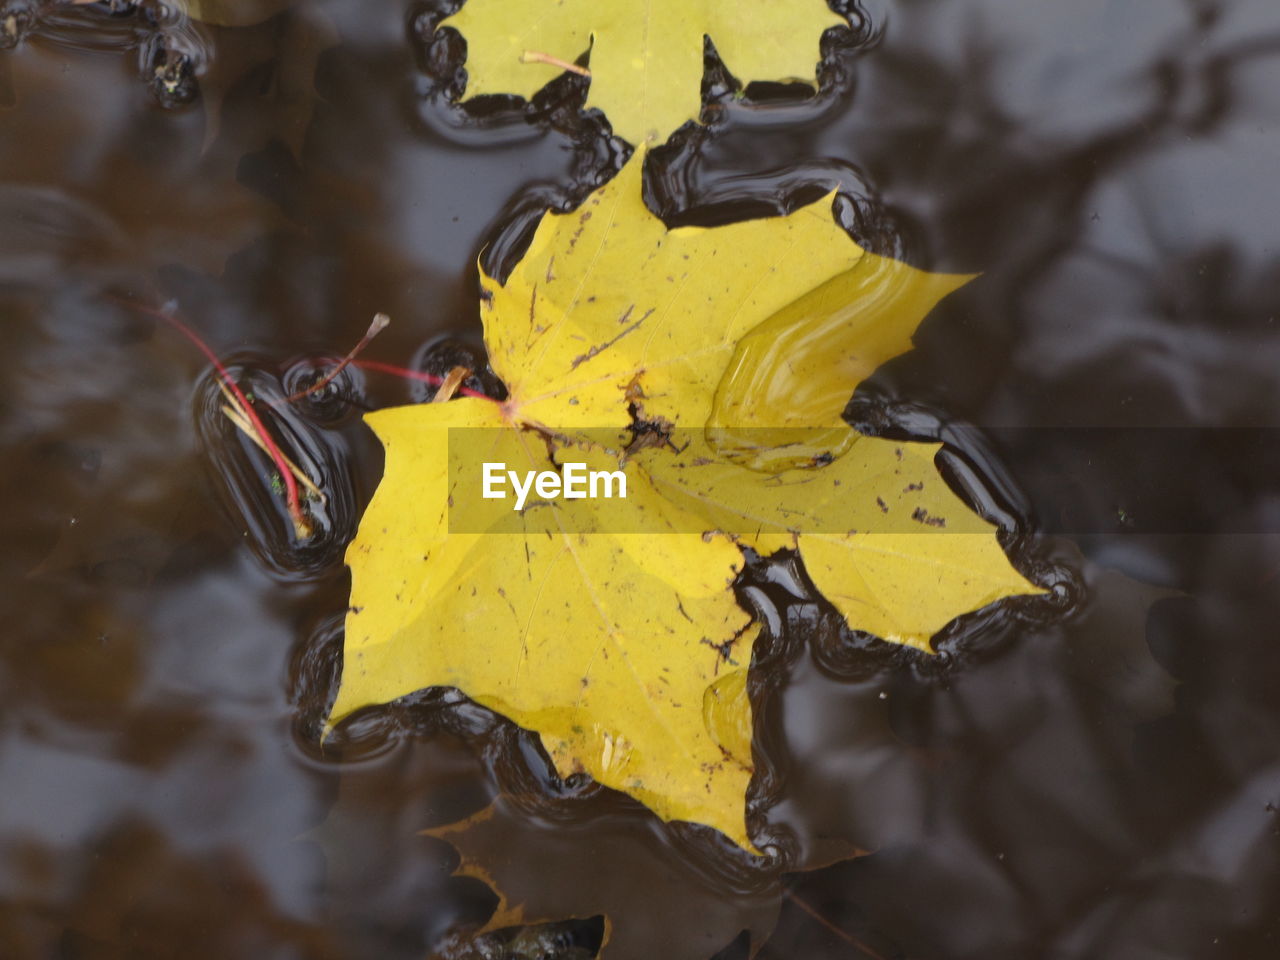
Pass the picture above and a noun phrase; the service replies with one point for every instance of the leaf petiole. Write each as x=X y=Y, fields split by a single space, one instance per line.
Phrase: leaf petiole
x=535 y=56
x=380 y=323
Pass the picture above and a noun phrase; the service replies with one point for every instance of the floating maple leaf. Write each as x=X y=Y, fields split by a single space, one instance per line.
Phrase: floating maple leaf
x=610 y=627
x=646 y=55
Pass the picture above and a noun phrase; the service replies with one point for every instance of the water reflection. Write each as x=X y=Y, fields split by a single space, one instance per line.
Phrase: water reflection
x=165 y=669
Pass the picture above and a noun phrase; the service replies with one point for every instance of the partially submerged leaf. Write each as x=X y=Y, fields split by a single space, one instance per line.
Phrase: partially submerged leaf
x=555 y=940
x=610 y=626
x=646 y=55
x=653 y=901
x=848 y=775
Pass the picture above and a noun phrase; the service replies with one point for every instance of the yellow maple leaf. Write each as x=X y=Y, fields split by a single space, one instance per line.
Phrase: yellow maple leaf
x=591 y=640
x=646 y=55
x=609 y=625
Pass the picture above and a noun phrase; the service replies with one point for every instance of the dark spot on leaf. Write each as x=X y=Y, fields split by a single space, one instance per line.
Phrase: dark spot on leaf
x=601 y=347
x=724 y=649
x=921 y=515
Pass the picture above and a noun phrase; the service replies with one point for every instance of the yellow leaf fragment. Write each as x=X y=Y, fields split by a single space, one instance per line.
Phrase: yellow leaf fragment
x=646 y=55
x=881 y=534
x=609 y=299
x=593 y=641
x=609 y=626
x=780 y=401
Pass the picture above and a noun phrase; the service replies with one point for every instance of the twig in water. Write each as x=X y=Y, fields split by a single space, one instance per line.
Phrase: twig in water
x=451 y=384
x=380 y=321
x=235 y=416
x=406 y=374
x=533 y=56
x=301 y=523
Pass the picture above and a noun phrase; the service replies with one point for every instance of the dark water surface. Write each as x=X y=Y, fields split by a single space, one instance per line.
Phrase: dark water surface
x=1091 y=776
